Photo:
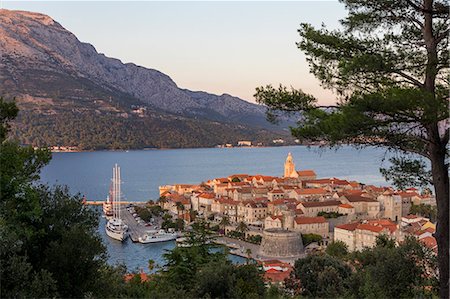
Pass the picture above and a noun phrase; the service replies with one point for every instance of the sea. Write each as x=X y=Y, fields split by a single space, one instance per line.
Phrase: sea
x=143 y=171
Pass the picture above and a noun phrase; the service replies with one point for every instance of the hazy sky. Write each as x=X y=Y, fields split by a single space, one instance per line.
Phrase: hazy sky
x=219 y=47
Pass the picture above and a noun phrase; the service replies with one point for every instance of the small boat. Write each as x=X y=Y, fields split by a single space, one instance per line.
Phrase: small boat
x=115 y=227
x=157 y=236
x=107 y=207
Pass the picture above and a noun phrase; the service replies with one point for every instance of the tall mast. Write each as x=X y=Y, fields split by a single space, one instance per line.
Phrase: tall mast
x=118 y=192
x=114 y=191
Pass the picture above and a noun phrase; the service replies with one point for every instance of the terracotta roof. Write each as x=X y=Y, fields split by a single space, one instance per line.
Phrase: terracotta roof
x=328 y=181
x=175 y=197
x=277 y=277
x=273 y=275
x=348 y=226
x=238 y=175
x=309 y=220
x=386 y=223
x=359 y=198
x=239 y=184
x=244 y=190
x=373 y=228
x=208 y=195
x=276 y=217
x=310 y=191
x=423 y=231
x=429 y=242
x=372 y=225
x=355 y=184
x=346 y=206
x=222 y=180
x=143 y=276
x=183 y=185
x=279 y=180
x=224 y=200
x=283 y=201
x=222 y=185
x=407 y=194
x=276 y=191
x=307 y=172
x=326 y=203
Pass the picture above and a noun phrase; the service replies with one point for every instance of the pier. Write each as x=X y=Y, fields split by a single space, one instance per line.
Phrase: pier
x=135 y=230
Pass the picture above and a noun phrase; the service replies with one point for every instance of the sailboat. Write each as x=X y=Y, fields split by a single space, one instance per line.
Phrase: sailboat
x=115 y=227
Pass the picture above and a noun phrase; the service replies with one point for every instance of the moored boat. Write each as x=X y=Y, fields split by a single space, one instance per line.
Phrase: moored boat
x=157 y=236
x=115 y=227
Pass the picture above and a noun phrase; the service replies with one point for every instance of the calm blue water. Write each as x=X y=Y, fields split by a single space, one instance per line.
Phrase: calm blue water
x=143 y=171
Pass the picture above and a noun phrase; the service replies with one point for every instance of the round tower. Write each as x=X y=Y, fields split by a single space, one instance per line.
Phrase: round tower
x=279 y=243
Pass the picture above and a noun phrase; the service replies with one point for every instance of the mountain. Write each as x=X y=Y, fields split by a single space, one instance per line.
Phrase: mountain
x=51 y=73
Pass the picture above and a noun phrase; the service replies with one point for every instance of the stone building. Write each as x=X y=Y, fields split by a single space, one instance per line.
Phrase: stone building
x=312 y=225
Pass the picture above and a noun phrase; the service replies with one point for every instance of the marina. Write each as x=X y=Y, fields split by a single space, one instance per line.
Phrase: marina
x=144 y=171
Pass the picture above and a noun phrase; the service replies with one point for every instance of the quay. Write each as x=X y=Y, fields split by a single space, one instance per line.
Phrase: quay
x=135 y=230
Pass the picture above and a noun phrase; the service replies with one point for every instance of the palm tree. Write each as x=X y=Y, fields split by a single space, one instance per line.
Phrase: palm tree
x=242 y=227
x=180 y=207
x=248 y=251
x=151 y=265
x=224 y=222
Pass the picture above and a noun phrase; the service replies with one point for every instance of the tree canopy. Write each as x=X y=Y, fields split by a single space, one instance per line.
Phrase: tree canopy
x=50 y=245
x=388 y=66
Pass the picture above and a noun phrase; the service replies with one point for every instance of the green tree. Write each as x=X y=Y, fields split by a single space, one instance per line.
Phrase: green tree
x=242 y=227
x=50 y=245
x=180 y=208
x=310 y=238
x=337 y=249
x=235 y=180
x=321 y=276
x=424 y=211
x=224 y=222
x=385 y=241
x=151 y=265
x=8 y=111
x=389 y=67
x=388 y=271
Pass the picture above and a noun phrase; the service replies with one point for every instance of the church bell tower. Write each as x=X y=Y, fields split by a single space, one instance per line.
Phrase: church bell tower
x=289 y=166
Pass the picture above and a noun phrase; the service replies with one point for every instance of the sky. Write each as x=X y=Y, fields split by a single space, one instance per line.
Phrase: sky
x=220 y=47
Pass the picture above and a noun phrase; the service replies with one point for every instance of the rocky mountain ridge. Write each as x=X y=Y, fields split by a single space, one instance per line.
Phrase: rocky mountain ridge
x=41 y=43
x=58 y=80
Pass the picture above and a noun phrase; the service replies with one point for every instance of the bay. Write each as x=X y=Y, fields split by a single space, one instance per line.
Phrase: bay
x=144 y=171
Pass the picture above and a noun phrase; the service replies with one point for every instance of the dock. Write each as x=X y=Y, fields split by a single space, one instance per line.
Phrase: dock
x=135 y=230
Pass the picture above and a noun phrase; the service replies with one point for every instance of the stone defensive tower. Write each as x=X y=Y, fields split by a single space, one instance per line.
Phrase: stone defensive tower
x=280 y=243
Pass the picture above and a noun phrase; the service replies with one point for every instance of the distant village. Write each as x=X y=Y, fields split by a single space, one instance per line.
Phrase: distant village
x=335 y=209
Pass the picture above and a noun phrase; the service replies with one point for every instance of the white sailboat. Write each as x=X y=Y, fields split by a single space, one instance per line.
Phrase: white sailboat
x=115 y=227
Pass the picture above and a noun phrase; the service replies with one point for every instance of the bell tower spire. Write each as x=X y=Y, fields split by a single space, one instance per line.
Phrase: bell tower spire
x=289 y=166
